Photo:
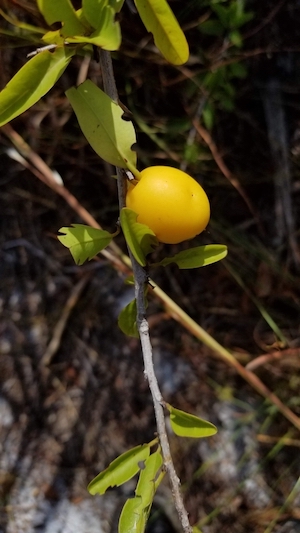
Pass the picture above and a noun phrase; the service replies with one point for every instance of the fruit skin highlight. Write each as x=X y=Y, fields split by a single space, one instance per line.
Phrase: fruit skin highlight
x=170 y=202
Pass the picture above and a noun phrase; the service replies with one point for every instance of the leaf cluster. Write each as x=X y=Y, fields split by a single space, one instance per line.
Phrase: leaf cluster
x=149 y=467
x=93 y=25
x=85 y=243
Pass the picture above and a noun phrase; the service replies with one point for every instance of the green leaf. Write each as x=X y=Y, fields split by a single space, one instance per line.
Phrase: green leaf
x=133 y=517
x=84 y=242
x=120 y=470
x=108 y=38
x=101 y=17
x=223 y=13
x=100 y=119
x=211 y=27
x=159 y=19
x=116 y=5
x=150 y=478
x=32 y=82
x=186 y=425
x=208 y=115
x=197 y=257
x=136 y=510
x=94 y=11
x=140 y=239
x=236 y=38
x=238 y=70
x=61 y=11
x=127 y=320
x=243 y=19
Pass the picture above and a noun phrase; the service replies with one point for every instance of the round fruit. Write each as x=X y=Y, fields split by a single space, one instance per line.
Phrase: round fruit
x=170 y=202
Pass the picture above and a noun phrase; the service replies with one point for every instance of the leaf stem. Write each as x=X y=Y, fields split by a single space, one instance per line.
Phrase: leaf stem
x=140 y=278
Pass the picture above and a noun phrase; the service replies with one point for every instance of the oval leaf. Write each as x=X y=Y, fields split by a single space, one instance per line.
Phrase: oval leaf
x=32 y=82
x=127 y=320
x=169 y=38
x=140 y=239
x=196 y=257
x=186 y=425
x=150 y=478
x=84 y=242
x=120 y=470
x=100 y=119
x=132 y=518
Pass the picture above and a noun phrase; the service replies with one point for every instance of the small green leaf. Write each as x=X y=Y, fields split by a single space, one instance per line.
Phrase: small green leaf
x=150 y=478
x=53 y=37
x=84 y=242
x=61 y=11
x=186 y=425
x=238 y=70
x=127 y=320
x=208 y=115
x=108 y=38
x=94 y=11
x=132 y=518
x=140 y=239
x=32 y=82
x=159 y=19
x=243 y=19
x=223 y=13
x=120 y=470
x=136 y=510
x=211 y=27
x=100 y=119
x=196 y=257
x=236 y=38
x=101 y=17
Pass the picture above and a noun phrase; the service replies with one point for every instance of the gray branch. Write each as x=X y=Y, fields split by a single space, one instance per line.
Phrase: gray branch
x=140 y=278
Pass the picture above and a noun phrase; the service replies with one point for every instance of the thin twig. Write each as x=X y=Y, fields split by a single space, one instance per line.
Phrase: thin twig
x=59 y=329
x=140 y=278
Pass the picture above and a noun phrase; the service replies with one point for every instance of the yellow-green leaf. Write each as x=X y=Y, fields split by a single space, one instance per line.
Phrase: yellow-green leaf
x=120 y=470
x=140 y=239
x=187 y=425
x=196 y=257
x=32 y=82
x=169 y=38
x=132 y=518
x=150 y=478
x=136 y=510
x=100 y=119
x=64 y=12
x=127 y=320
x=84 y=242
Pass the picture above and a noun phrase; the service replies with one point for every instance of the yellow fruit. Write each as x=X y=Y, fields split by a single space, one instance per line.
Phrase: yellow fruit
x=170 y=202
